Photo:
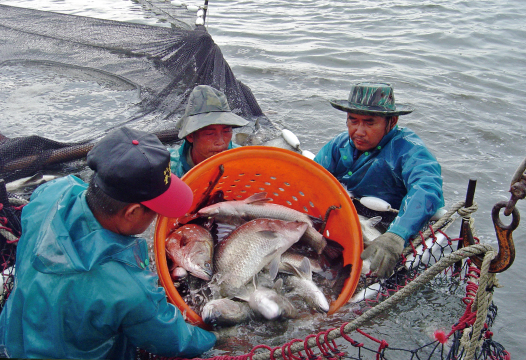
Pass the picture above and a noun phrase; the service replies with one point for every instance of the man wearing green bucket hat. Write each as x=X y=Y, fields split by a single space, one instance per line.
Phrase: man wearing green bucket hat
x=206 y=127
x=376 y=157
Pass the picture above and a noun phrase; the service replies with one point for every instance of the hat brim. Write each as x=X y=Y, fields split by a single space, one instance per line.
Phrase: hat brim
x=193 y=123
x=345 y=105
x=174 y=202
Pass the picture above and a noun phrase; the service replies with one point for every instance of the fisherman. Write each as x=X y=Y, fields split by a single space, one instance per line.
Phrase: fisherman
x=82 y=285
x=376 y=157
x=206 y=127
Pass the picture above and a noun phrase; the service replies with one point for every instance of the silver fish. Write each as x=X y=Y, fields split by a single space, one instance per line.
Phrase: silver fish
x=34 y=180
x=284 y=139
x=249 y=248
x=270 y=302
x=290 y=259
x=369 y=231
x=306 y=288
x=225 y=312
x=258 y=206
x=191 y=247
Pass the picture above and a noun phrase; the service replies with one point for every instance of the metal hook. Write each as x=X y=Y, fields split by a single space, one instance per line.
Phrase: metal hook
x=517 y=188
x=506 y=255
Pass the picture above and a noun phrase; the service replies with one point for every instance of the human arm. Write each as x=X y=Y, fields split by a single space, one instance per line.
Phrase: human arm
x=421 y=174
x=158 y=327
x=414 y=168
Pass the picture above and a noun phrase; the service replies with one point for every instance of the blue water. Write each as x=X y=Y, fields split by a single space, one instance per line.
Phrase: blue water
x=461 y=64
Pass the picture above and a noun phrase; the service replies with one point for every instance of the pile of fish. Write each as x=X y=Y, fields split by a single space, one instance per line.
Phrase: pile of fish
x=250 y=259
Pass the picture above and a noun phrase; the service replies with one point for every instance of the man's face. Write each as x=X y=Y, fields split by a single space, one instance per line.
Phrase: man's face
x=366 y=131
x=209 y=141
x=145 y=218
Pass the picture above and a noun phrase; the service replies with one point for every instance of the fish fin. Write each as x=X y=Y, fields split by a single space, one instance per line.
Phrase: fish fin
x=185 y=240
x=241 y=138
x=278 y=286
x=38 y=176
x=372 y=222
x=305 y=268
x=243 y=295
x=257 y=199
x=274 y=267
x=268 y=234
x=333 y=249
x=295 y=271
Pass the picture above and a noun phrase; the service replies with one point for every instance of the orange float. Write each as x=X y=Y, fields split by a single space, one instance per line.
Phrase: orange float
x=290 y=179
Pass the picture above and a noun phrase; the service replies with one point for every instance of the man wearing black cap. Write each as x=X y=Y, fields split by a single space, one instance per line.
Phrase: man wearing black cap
x=377 y=158
x=82 y=285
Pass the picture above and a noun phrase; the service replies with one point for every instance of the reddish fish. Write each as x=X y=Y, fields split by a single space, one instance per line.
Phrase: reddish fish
x=192 y=248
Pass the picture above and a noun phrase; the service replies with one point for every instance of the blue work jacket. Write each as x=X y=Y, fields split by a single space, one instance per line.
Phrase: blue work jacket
x=400 y=170
x=178 y=163
x=84 y=292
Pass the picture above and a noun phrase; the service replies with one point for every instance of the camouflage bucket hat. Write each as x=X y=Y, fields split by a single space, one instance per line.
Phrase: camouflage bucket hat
x=207 y=106
x=371 y=99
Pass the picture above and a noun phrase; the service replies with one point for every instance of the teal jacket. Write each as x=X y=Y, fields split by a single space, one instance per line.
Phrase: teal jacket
x=400 y=170
x=178 y=163
x=84 y=292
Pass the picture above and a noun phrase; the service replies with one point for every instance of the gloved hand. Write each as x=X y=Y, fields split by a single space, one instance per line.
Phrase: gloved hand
x=383 y=253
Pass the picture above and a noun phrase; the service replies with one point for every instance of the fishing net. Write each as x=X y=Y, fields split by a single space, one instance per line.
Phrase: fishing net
x=10 y=231
x=154 y=68
x=433 y=262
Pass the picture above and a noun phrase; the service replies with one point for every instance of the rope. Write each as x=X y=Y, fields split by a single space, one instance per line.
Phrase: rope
x=413 y=286
x=481 y=303
x=442 y=222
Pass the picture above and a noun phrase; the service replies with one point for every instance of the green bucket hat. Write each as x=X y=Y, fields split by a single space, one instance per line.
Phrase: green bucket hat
x=207 y=106
x=372 y=99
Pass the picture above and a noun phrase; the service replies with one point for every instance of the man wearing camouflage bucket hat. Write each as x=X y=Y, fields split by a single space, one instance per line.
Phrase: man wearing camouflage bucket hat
x=375 y=157
x=206 y=127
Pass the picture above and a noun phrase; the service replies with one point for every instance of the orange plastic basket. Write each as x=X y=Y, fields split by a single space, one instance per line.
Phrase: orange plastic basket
x=289 y=179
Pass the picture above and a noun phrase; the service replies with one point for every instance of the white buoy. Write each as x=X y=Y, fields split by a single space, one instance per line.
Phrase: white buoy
x=192 y=8
x=199 y=21
x=200 y=13
x=366 y=267
x=376 y=204
x=177 y=3
x=308 y=154
x=440 y=212
x=290 y=138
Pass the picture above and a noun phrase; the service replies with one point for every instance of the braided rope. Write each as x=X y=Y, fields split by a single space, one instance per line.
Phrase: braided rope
x=413 y=286
x=481 y=304
x=10 y=237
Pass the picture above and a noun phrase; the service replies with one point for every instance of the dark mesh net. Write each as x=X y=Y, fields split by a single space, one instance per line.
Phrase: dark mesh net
x=163 y=64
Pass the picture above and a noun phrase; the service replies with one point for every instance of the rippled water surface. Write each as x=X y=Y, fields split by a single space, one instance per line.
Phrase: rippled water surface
x=461 y=64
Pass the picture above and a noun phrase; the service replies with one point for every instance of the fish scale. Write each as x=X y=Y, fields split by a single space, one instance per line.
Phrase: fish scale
x=251 y=247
